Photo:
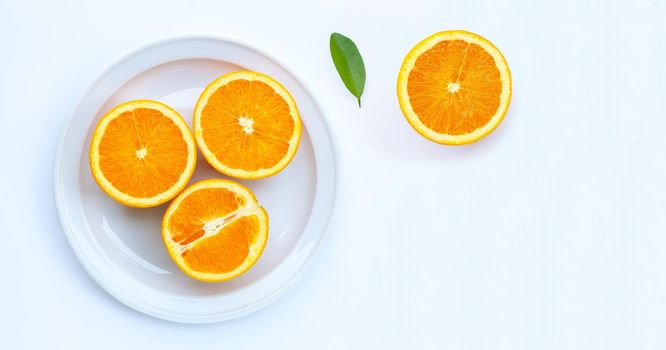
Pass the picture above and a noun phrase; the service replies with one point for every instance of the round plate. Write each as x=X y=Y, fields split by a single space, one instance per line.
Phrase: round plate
x=122 y=248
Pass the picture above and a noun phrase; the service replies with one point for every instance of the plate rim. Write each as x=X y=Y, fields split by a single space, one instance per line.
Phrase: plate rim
x=67 y=229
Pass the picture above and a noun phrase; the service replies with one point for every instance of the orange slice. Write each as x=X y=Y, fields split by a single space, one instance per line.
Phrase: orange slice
x=142 y=153
x=247 y=125
x=454 y=87
x=215 y=230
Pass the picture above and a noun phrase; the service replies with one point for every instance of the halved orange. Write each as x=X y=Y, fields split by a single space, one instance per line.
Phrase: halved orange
x=142 y=153
x=215 y=230
x=247 y=125
x=454 y=87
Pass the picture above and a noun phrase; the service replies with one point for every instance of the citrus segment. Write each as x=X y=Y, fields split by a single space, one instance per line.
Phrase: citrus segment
x=215 y=230
x=142 y=153
x=454 y=87
x=234 y=239
x=247 y=125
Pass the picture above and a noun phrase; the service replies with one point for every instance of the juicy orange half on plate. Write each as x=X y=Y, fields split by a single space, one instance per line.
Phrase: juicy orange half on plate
x=142 y=153
x=454 y=87
x=247 y=125
x=215 y=230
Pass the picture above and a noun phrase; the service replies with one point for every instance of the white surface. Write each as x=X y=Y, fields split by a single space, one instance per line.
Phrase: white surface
x=122 y=248
x=548 y=234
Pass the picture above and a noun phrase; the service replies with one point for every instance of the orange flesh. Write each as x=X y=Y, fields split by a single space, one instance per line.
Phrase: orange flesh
x=260 y=146
x=227 y=248
x=454 y=87
x=124 y=142
x=200 y=207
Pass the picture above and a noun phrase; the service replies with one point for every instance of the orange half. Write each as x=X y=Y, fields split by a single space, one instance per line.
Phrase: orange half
x=247 y=125
x=454 y=87
x=142 y=153
x=215 y=230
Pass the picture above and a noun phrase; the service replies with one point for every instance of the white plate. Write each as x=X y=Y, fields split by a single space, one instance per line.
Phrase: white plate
x=121 y=248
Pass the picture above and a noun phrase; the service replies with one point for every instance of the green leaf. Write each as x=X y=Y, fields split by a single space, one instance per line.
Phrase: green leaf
x=349 y=64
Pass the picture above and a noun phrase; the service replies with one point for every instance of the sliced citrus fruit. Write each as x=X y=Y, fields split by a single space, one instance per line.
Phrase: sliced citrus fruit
x=215 y=230
x=454 y=87
x=142 y=153
x=247 y=125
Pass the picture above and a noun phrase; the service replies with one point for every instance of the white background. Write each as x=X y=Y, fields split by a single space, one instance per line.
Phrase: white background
x=548 y=234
